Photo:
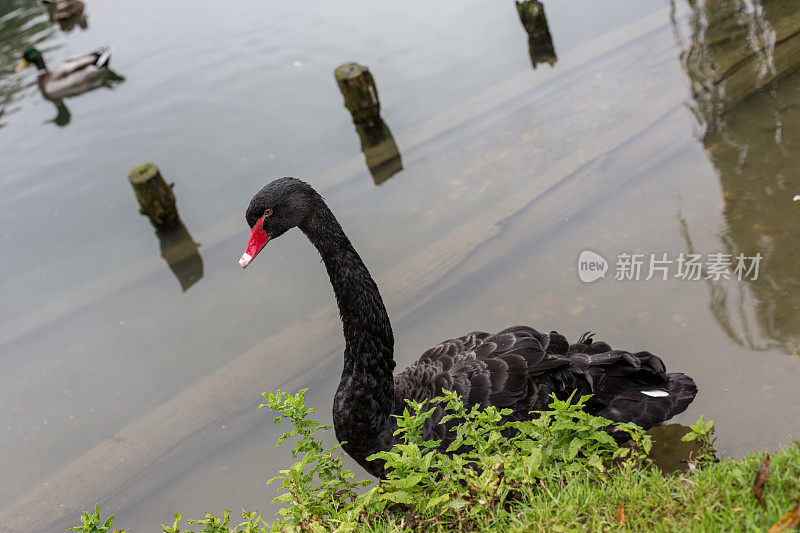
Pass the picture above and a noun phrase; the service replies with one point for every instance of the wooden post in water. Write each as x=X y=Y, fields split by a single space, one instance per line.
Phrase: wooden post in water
x=155 y=197
x=157 y=201
x=361 y=99
x=540 y=42
x=360 y=93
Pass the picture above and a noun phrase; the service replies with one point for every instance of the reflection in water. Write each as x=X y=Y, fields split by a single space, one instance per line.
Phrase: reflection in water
x=735 y=48
x=669 y=452
x=180 y=252
x=540 y=42
x=64 y=116
x=742 y=62
x=380 y=150
x=23 y=24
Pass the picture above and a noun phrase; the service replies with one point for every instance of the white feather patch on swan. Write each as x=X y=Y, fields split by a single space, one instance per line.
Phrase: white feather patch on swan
x=657 y=393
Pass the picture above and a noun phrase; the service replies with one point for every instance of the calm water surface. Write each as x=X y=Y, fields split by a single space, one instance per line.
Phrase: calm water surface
x=659 y=129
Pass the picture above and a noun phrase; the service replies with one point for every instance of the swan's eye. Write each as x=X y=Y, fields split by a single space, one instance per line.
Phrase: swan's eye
x=268 y=212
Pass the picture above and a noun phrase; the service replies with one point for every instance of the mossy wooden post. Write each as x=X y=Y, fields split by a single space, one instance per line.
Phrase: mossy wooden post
x=540 y=42
x=155 y=197
x=360 y=93
x=361 y=99
x=531 y=14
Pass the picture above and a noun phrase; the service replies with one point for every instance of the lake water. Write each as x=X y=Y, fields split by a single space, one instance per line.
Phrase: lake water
x=129 y=381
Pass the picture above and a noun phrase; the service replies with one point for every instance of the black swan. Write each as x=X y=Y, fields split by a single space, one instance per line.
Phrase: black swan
x=516 y=368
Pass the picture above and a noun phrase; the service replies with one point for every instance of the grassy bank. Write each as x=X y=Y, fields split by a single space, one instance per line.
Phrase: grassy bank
x=560 y=472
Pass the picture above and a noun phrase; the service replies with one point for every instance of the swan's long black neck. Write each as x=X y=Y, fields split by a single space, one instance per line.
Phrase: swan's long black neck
x=365 y=398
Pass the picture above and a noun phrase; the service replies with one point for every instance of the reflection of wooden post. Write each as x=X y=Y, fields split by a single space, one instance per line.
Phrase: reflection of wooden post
x=380 y=151
x=359 y=91
x=728 y=57
x=180 y=252
x=155 y=197
x=540 y=42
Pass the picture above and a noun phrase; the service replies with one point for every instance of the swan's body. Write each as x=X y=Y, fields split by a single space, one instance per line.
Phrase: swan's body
x=516 y=368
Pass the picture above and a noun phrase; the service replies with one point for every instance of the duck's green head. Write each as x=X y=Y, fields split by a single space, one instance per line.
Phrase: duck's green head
x=31 y=56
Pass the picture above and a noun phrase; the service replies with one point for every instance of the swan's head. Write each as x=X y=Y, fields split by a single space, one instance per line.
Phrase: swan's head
x=274 y=210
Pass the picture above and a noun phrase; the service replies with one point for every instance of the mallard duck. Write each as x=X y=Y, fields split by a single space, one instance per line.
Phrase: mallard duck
x=72 y=77
x=67 y=10
x=64 y=9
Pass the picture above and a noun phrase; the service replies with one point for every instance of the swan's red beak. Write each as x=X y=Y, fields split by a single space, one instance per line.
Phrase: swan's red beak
x=258 y=239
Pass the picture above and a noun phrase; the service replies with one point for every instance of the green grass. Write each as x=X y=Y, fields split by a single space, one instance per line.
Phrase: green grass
x=714 y=499
x=561 y=472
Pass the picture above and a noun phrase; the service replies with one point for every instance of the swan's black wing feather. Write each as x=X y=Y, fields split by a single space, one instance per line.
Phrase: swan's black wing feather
x=558 y=343
x=519 y=368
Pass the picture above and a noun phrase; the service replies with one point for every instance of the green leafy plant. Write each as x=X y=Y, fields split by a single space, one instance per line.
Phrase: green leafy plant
x=493 y=462
x=703 y=434
x=561 y=471
x=496 y=460
x=90 y=523
x=318 y=485
x=252 y=523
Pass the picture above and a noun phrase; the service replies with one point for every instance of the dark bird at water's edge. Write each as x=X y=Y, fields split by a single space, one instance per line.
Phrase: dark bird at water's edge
x=517 y=368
